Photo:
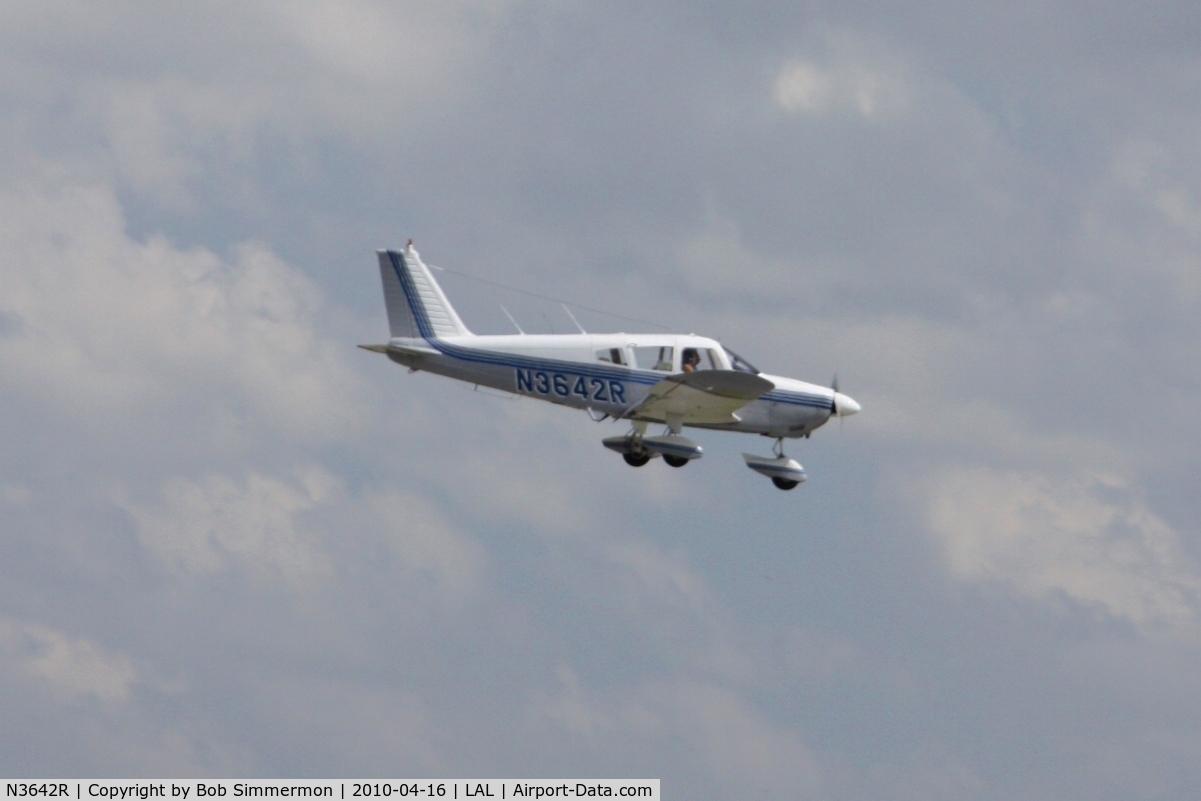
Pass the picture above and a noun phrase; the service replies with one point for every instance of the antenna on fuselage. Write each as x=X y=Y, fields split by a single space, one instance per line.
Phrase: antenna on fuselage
x=573 y=319
x=519 y=291
x=511 y=320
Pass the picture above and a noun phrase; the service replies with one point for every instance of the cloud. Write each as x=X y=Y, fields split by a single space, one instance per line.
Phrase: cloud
x=338 y=565
x=74 y=668
x=425 y=542
x=1083 y=539
x=1144 y=217
x=208 y=525
x=276 y=529
x=722 y=729
x=873 y=92
x=741 y=743
x=118 y=334
x=159 y=101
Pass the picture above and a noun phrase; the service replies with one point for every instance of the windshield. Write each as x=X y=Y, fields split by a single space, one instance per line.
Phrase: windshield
x=739 y=363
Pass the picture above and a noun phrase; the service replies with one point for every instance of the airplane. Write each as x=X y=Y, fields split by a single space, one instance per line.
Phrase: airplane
x=674 y=380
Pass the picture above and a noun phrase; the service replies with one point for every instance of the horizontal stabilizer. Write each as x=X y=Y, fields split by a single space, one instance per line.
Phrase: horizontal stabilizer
x=412 y=350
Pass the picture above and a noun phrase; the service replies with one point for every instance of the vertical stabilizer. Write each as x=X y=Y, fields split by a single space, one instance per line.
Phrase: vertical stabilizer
x=416 y=305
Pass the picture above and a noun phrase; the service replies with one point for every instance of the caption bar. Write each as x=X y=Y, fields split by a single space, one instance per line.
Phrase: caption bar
x=451 y=789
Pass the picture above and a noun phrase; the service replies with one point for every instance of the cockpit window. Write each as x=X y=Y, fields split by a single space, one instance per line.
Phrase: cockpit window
x=739 y=363
x=692 y=359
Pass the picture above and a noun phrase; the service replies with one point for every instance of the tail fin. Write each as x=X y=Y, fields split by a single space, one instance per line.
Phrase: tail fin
x=417 y=307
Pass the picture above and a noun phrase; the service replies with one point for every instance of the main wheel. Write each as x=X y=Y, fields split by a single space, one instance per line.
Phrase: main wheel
x=636 y=459
x=675 y=461
x=784 y=483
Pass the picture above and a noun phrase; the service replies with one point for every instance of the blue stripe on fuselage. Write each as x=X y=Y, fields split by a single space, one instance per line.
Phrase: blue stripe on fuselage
x=798 y=399
x=502 y=359
x=505 y=359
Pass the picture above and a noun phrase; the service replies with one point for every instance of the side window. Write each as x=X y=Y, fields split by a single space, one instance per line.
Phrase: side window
x=654 y=357
x=610 y=355
x=692 y=359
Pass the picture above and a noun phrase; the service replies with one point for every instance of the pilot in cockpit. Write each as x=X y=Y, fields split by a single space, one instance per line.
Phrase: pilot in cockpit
x=689 y=360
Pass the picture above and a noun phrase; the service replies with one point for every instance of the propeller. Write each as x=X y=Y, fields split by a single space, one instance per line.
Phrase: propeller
x=834 y=401
x=842 y=405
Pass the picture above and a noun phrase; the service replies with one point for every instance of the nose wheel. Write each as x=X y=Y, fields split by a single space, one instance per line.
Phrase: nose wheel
x=783 y=482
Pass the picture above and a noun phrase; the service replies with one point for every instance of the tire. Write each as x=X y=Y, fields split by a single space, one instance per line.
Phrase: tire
x=784 y=483
x=675 y=461
x=636 y=459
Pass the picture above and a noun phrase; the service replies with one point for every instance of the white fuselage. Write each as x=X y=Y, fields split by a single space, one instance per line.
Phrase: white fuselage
x=610 y=374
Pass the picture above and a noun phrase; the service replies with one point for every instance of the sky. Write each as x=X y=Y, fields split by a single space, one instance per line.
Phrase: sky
x=234 y=545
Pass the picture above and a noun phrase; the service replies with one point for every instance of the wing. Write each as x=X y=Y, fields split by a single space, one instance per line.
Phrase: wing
x=705 y=396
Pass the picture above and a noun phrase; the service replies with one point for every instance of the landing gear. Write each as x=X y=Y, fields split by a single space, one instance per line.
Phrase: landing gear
x=638 y=449
x=676 y=450
x=630 y=446
x=785 y=473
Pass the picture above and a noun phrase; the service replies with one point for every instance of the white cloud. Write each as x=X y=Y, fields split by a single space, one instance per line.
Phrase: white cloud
x=196 y=379
x=742 y=745
x=72 y=667
x=1083 y=539
x=1145 y=215
x=397 y=45
x=573 y=708
x=114 y=332
x=717 y=260
x=871 y=91
x=168 y=95
x=209 y=525
x=730 y=737
x=425 y=541
x=275 y=529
